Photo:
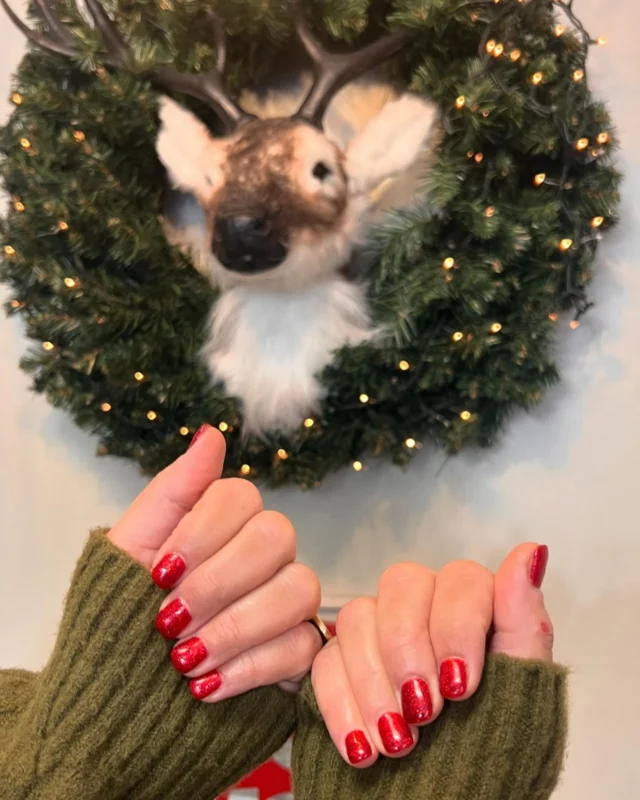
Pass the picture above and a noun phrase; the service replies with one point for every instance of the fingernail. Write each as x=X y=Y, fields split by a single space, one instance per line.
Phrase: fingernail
x=206 y=685
x=188 y=655
x=168 y=571
x=394 y=732
x=453 y=678
x=416 y=701
x=173 y=619
x=358 y=747
x=539 y=565
x=199 y=434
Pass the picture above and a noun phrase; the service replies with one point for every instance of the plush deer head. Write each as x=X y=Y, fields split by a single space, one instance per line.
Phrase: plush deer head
x=284 y=204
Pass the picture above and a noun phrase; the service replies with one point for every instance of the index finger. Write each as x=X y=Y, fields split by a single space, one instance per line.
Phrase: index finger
x=156 y=512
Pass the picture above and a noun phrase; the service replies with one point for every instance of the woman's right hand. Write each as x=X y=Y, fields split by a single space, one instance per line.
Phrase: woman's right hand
x=238 y=602
x=423 y=640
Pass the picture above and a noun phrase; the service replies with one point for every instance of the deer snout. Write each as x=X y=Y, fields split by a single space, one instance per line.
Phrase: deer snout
x=247 y=243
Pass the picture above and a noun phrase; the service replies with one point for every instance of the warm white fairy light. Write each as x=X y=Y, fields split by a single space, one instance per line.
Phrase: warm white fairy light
x=48 y=346
x=106 y=407
x=139 y=376
x=364 y=398
x=496 y=327
x=309 y=423
x=411 y=443
x=465 y=416
x=537 y=78
x=540 y=178
x=582 y=144
x=282 y=454
x=152 y=416
x=223 y=426
x=578 y=75
x=404 y=366
x=514 y=55
x=358 y=466
x=184 y=431
x=245 y=469
x=603 y=138
x=596 y=222
x=460 y=101
x=458 y=336
x=574 y=324
x=448 y=263
x=565 y=244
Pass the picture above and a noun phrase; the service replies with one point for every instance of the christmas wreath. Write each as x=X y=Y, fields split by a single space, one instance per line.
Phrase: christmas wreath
x=469 y=284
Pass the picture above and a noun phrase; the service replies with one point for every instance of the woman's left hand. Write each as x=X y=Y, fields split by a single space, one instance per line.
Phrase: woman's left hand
x=238 y=601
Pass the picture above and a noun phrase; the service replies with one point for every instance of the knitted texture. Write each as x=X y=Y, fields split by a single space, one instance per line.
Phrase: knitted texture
x=110 y=718
x=506 y=743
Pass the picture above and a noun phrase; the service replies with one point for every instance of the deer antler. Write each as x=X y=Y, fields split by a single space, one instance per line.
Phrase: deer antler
x=333 y=70
x=208 y=87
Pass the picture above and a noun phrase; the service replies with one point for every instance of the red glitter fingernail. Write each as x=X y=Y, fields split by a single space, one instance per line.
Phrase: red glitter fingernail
x=453 y=678
x=188 y=655
x=538 y=565
x=173 y=619
x=416 y=701
x=358 y=747
x=394 y=732
x=168 y=571
x=199 y=434
x=206 y=685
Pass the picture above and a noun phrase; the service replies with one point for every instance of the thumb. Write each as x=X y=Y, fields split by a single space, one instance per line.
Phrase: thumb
x=522 y=626
x=169 y=497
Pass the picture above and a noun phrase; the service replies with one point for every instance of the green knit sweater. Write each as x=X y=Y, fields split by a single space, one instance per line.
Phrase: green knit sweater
x=109 y=719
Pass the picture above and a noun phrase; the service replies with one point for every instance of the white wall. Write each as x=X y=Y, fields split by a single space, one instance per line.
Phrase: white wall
x=565 y=475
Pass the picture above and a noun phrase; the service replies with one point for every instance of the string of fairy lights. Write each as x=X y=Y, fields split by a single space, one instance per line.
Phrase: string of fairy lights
x=491 y=51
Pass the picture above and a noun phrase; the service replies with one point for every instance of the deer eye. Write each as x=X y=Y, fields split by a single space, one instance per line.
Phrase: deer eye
x=321 y=171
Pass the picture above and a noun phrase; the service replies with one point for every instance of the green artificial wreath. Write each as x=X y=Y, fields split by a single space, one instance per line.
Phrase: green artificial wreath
x=472 y=282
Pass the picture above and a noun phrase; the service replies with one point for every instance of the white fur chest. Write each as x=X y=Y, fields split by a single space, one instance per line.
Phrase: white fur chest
x=268 y=348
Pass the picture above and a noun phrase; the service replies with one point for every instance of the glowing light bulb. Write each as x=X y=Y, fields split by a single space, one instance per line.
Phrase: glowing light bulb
x=565 y=244
x=582 y=144
x=578 y=75
x=152 y=416
x=458 y=336
x=79 y=136
x=106 y=407
x=223 y=426
x=48 y=346
x=496 y=327
x=245 y=469
x=184 y=431
x=603 y=138
x=283 y=455
x=18 y=206
x=553 y=317
x=559 y=30
x=9 y=251
x=15 y=304
x=63 y=226
x=515 y=55
x=601 y=41
x=309 y=423
x=460 y=101
x=596 y=222
x=16 y=98
x=540 y=178
x=574 y=324
x=449 y=263
x=490 y=46
x=478 y=158
x=465 y=416
x=69 y=283
x=498 y=51
x=411 y=443
x=489 y=212
x=405 y=366
x=139 y=376
x=357 y=466
x=25 y=144
x=364 y=398
x=537 y=78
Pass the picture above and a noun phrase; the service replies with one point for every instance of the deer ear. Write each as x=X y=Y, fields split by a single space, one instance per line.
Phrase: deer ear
x=390 y=143
x=187 y=149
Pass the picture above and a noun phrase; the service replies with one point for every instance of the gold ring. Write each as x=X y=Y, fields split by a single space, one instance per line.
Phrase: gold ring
x=325 y=633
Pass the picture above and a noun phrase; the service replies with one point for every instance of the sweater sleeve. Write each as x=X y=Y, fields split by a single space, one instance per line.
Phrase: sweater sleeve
x=109 y=717
x=505 y=743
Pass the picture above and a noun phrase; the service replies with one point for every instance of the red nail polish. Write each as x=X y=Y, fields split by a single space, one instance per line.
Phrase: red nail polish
x=188 y=655
x=199 y=434
x=416 y=701
x=168 y=571
x=358 y=747
x=394 y=732
x=453 y=678
x=206 y=685
x=173 y=619
x=539 y=565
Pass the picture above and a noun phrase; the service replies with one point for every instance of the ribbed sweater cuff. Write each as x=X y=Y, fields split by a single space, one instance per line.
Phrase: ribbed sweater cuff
x=506 y=742
x=111 y=717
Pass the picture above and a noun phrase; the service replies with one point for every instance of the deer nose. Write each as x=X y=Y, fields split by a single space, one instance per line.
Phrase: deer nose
x=247 y=244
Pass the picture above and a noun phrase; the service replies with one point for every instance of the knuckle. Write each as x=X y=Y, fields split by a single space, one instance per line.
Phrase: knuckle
x=304 y=588
x=274 y=530
x=325 y=659
x=403 y=573
x=241 y=492
x=229 y=629
x=354 y=612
